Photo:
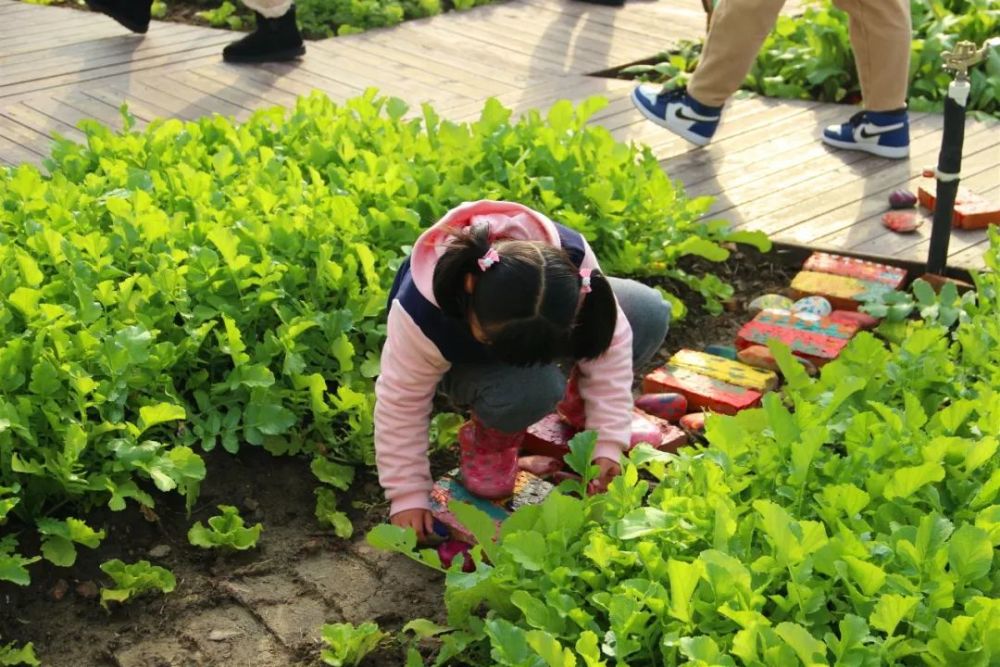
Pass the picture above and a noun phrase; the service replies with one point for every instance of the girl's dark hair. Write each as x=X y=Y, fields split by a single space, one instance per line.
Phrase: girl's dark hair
x=526 y=304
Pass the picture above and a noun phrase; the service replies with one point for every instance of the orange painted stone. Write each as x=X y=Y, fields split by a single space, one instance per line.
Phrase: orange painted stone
x=727 y=370
x=817 y=340
x=852 y=267
x=972 y=211
x=761 y=357
x=863 y=321
x=694 y=422
x=701 y=391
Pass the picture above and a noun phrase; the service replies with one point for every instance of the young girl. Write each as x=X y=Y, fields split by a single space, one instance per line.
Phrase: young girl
x=492 y=297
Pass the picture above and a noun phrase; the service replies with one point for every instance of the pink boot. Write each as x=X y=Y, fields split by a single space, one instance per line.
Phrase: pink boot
x=571 y=407
x=488 y=459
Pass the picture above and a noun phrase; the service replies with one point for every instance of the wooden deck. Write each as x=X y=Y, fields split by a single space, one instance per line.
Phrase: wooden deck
x=766 y=168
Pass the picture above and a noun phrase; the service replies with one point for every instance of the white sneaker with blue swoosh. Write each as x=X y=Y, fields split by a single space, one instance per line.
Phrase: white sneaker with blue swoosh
x=678 y=112
x=886 y=134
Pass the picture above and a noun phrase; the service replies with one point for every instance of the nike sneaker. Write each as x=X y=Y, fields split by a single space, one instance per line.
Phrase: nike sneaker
x=882 y=133
x=678 y=112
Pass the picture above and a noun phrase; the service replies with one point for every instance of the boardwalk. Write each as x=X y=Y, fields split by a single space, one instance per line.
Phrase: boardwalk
x=765 y=168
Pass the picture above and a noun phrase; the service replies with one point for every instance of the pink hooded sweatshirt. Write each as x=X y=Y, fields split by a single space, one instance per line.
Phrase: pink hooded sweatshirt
x=412 y=365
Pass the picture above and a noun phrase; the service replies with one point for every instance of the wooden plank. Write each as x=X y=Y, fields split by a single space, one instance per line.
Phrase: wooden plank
x=726 y=370
x=702 y=392
x=39 y=122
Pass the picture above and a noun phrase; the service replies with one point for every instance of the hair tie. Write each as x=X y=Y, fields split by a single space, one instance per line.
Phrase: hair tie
x=489 y=259
x=585 y=281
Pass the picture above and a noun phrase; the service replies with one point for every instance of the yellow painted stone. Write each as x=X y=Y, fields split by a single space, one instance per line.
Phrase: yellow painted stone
x=733 y=372
x=829 y=285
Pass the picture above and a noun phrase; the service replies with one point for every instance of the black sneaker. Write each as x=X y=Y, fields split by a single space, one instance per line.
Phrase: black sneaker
x=133 y=14
x=273 y=40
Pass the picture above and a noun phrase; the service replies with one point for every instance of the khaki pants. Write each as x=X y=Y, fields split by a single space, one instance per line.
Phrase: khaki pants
x=272 y=9
x=880 y=37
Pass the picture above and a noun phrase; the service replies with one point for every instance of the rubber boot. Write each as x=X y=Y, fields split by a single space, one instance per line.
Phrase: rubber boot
x=133 y=14
x=488 y=459
x=274 y=40
x=571 y=408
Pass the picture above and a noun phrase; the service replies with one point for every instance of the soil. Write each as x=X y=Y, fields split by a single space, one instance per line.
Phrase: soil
x=265 y=607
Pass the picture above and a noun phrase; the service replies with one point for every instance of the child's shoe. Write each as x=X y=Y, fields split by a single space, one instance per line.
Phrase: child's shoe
x=886 y=134
x=488 y=459
x=678 y=112
x=274 y=40
x=133 y=14
x=571 y=408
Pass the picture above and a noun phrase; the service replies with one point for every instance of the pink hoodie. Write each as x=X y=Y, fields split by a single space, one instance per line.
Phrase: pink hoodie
x=412 y=366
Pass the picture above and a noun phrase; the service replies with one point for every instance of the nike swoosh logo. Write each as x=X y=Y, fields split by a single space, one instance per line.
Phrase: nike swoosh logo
x=865 y=134
x=679 y=113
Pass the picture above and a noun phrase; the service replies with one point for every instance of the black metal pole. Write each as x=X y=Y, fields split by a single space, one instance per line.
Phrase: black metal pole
x=948 y=174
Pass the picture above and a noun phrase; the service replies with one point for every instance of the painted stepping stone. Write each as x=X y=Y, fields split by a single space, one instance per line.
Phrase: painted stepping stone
x=842 y=292
x=528 y=490
x=694 y=422
x=769 y=302
x=818 y=341
x=863 y=321
x=761 y=357
x=815 y=305
x=852 y=267
x=902 y=222
x=724 y=351
x=702 y=392
x=669 y=406
x=972 y=211
x=733 y=372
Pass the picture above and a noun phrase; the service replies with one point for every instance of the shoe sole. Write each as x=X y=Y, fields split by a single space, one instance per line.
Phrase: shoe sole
x=891 y=152
x=139 y=28
x=275 y=57
x=695 y=139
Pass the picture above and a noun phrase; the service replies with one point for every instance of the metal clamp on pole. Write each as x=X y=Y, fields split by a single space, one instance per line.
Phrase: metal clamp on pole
x=949 y=168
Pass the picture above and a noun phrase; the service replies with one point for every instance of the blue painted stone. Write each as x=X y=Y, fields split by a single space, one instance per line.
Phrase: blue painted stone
x=816 y=305
x=724 y=351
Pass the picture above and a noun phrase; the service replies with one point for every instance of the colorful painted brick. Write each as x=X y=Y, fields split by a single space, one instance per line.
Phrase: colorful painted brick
x=863 y=321
x=972 y=211
x=851 y=267
x=702 y=392
x=819 y=341
x=528 y=490
x=548 y=437
x=841 y=291
x=759 y=356
x=724 y=351
x=733 y=372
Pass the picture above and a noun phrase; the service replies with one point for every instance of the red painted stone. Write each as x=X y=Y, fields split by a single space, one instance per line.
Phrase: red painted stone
x=702 y=392
x=818 y=341
x=668 y=437
x=669 y=406
x=852 y=267
x=863 y=321
x=694 y=422
x=902 y=222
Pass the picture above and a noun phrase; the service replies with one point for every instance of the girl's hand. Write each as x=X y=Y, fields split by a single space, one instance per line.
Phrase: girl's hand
x=609 y=469
x=419 y=519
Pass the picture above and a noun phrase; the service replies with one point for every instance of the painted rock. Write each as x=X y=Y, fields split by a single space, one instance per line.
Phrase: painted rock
x=902 y=222
x=816 y=305
x=724 y=351
x=902 y=199
x=761 y=357
x=694 y=422
x=644 y=430
x=669 y=406
x=450 y=549
x=863 y=321
x=769 y=302
x=657 y=432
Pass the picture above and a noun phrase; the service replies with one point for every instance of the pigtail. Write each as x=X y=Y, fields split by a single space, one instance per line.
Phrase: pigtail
x=465 y=248
x=596 y=321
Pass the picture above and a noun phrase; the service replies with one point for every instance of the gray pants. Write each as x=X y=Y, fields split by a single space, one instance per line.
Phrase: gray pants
x=512 y=398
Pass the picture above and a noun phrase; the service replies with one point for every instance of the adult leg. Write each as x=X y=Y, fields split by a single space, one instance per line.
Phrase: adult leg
x=275 y=39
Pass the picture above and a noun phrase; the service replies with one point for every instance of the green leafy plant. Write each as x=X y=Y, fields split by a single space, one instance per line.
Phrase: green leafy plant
x=223 y=16
x=13 y=566
x=347 y=645
x=60 y=538
x=11 y=654
x=206 y=284
x=133 y=579
x=810 y=57
x=226 y=531
x=852 y=520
